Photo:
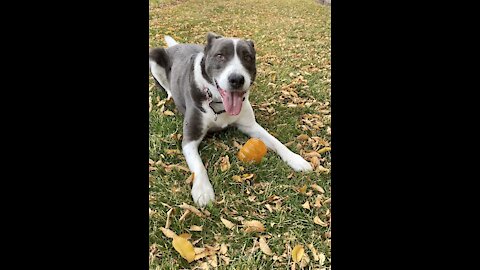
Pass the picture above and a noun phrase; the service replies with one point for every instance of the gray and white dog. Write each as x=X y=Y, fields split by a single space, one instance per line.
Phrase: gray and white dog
x=210 y=87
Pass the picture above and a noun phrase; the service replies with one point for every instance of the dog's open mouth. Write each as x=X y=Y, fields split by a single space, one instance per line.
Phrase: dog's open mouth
x=232 y=100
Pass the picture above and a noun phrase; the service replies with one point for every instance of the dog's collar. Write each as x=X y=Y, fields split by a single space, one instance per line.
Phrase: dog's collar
x=210 y=101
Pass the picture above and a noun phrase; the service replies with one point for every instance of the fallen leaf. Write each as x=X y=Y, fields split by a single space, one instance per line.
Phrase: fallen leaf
x=264 y=246
x=323 y=150
x=212 y=260
x=168 y=233
x=328 y=234
x=223 y=249
x=315 y=162
x=198 y=250
x=225 y=163
x=318 y=221
x=303 y=137
x=196 y=228
x=297 y=253
x=322 y=259
x=327 y=200
x=318 y=188
x=269 y=207
x=184 y=247
x=303 y=189
x=306 y=205
x=185 y=235
x=305 y=260
x=225 y=259
x=167 y=223
x=237 y=178
x=190 y=179
x=192 y=209
x=318 y=201
x=230 y=225
x=168 y=113
x=314 y=252
x=253 y=226
x=184 y=215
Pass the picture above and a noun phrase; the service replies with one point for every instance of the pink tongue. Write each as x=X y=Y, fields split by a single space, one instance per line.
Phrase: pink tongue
x=233 y=102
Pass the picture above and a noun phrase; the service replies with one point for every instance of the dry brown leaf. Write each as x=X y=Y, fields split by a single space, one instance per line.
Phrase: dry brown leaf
x=185 y=235
x=297 y=253
x=198 y=250
x=306 y=205
x=192 y=209
x=315 y=162
x=322 y=259
x=190 y=179
x=225 y=163
x=227 y=223
x=327 y=200
x=318 y=201
x=225 y=259
x=318 y=188
x=253 y=226
x=318 y=221
x=328 y=234
x=196 y=228
x=320 y=168
x=168 y=233
x=305 y=260
x=168 y=113
x=223 y=249
x=202 y=266
x=212 y=260
x=167 y=223
x=303 y=189
x=184 y=215
x=184 y=247
x=303 y=137
x=237 y=145
x=323 y=150
x=312 y=154
x=314 y=252
x=264 y=246
x=269 y=207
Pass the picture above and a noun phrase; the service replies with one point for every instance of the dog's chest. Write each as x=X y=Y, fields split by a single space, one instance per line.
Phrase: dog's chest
x=216 y=122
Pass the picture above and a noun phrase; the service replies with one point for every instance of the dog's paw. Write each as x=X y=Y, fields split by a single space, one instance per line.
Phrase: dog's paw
x=202 y=193
x=298 y=163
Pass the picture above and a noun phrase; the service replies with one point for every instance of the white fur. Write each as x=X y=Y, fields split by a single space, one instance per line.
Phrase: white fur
x=159 y=73
x=234 y=66
x=170 y=41
x=202 y=190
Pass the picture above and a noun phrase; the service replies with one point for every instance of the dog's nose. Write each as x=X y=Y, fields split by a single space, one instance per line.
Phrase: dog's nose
x=236 y=80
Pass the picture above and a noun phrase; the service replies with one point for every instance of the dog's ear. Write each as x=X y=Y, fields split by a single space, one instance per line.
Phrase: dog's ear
x=210 y=38
x=250 y=42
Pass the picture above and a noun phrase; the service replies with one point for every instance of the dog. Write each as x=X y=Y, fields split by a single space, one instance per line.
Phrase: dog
x=210 y=87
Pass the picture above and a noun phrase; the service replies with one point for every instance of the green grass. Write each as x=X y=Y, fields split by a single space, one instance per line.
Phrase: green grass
x=290 y=37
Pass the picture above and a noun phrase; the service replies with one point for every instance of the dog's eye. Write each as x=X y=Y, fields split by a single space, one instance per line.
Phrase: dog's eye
x=220 y=57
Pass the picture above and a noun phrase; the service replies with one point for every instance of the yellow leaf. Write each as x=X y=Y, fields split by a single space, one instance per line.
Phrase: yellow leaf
x=297 y=253
x=168 y=113
x=314 y=252
x=306 y=205
x=253 y=226
x=323 y=150
x=196 y=228
x=227 y=223
x=264 y=246
x=168 y=233
x=318 y=188
x=237 y=178
x=303 y=189
x=185 y=235
x=184 y=247
x=318 y=221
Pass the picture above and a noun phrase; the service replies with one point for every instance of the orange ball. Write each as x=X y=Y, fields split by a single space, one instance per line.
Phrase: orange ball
x=252 y=151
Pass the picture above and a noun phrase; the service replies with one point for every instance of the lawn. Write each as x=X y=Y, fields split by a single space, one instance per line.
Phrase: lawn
x=291 y=99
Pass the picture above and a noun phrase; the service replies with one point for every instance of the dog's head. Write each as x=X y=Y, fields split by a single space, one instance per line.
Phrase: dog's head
x=230 y=63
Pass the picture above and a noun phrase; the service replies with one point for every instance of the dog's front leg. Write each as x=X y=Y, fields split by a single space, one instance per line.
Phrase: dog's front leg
x=248 y=125
x=202 y=190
